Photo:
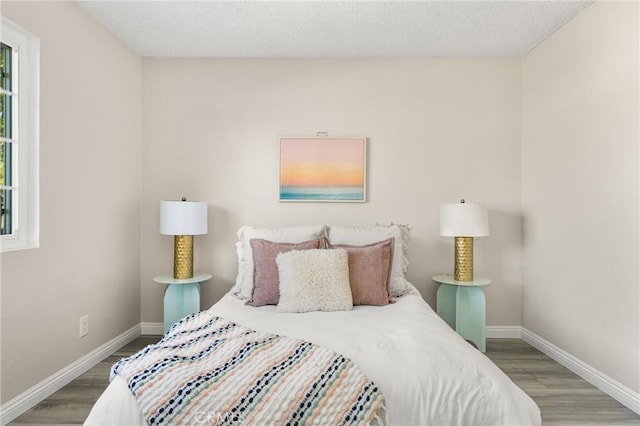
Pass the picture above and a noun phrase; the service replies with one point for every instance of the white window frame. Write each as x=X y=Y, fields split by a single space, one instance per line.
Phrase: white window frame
x=26 y=133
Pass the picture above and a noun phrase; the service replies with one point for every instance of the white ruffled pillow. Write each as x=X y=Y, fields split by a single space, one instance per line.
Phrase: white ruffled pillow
x=314 y=280
x=243 y=287
x=363 y=235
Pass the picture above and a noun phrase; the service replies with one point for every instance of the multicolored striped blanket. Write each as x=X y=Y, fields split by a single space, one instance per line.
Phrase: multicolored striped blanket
x=207 y=370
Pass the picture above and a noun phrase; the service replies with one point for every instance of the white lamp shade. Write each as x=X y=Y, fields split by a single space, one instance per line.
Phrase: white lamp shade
x=464 y=220
x=183 y=217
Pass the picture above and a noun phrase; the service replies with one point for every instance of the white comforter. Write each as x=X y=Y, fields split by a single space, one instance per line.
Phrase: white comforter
x=427 y=373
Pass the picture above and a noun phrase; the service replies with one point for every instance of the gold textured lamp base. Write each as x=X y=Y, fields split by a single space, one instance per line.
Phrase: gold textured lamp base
x=183 y=256
x=463 y=270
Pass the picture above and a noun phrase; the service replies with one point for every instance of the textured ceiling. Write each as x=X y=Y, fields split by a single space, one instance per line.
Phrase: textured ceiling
x=332 y=29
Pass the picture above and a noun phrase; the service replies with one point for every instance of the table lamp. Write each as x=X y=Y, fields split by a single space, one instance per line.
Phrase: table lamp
x=463 y=221
x=183 y=219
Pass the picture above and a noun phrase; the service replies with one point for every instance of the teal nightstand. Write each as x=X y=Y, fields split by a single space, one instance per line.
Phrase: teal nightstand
x=462 y=305
x=181 y=298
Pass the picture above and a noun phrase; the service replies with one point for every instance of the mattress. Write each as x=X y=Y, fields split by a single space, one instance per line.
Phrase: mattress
x=427 y=373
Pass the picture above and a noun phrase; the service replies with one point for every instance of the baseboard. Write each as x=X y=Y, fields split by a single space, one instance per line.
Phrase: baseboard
x=606 y=384
x=32 y=396
x=503 y=332
x=152 y=328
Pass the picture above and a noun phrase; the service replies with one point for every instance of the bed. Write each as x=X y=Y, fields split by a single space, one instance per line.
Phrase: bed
x=426 y=372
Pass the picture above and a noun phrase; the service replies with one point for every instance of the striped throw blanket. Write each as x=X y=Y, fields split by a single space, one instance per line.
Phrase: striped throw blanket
x=207 y=370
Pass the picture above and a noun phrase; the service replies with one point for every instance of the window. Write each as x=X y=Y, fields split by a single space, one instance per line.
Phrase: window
x=19 y=105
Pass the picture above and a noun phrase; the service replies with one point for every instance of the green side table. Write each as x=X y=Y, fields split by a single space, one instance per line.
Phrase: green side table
x=181 y=298
x=462 y=305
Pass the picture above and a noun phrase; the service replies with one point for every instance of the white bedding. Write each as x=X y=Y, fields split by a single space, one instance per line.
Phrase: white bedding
x=427 y=373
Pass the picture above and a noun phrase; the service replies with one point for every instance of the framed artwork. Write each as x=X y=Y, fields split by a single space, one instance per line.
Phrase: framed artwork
x=323 y=169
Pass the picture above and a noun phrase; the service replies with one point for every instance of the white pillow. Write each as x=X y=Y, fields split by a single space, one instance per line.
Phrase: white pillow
x=297 y=234
x=363 y=235
x=314 y=280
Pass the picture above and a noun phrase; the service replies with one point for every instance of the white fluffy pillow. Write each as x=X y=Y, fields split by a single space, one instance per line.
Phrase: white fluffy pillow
x=363 y=235
x=297 y=234
x=314 y=280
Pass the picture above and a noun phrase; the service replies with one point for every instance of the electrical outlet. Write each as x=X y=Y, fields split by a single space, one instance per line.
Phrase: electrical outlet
x=84 y=325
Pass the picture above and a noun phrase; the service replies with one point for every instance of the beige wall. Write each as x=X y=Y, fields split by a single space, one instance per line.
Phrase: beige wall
x=90 y=147
x=438 y=130
x=580 y=190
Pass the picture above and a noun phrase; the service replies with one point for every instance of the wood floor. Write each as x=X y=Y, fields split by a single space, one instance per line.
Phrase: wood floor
x=563 y=397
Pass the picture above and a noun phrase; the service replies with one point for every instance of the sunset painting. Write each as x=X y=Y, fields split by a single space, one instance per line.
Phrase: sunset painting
x=322 y=169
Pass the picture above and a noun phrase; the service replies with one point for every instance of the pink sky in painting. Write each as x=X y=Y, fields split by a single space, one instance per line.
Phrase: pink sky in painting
x=347 y=151
x=322 y=162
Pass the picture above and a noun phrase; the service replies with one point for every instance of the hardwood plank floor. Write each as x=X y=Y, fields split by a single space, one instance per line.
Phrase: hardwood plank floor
x=71 y=404
x=564 y=398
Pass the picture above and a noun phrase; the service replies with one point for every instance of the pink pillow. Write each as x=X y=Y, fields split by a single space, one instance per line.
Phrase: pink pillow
x=369 y=272
x=265 y=270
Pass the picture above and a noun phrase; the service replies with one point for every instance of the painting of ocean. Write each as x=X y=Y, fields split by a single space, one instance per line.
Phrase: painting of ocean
x=324 y=193
x=323 y=169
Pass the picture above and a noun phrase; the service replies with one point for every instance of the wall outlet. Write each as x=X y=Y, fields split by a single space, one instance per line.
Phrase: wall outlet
x=84 y=325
